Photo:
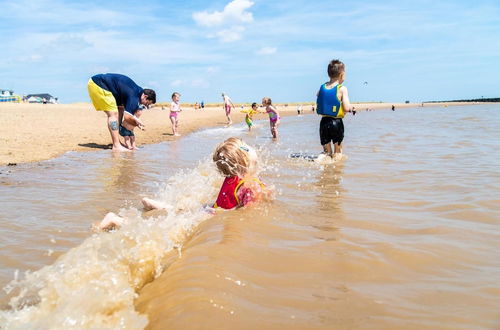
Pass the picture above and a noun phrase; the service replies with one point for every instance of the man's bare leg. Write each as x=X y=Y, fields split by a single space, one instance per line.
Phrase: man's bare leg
x=113 y=130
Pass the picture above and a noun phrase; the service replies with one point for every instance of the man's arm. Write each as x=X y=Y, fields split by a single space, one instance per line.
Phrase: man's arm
x=133 y=120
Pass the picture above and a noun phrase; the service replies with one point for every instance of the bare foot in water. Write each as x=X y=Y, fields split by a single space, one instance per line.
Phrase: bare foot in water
x=111 y=221
x=150 y=204
x=120 y=148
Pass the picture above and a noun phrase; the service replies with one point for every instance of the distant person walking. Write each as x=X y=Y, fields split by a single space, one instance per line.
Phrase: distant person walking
x=115 y=93
x=228 y=105
x=331 y=103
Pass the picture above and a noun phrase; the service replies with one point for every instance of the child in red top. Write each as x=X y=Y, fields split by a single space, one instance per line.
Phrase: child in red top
x=238 y=163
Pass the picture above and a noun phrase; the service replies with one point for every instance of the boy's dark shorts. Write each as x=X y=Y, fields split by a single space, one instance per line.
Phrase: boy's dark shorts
x=331 y=130
x=125 y=132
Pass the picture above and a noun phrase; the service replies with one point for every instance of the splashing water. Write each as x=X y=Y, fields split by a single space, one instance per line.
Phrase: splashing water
x=94 y=284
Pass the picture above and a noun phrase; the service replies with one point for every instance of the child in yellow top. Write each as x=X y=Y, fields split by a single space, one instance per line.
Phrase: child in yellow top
x=249 y=115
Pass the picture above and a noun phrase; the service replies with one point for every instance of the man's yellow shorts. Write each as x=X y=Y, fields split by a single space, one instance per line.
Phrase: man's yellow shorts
x=102 y=99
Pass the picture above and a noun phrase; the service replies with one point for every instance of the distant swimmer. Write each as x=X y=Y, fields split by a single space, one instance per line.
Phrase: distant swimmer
x=332 y=101
x=393 y=107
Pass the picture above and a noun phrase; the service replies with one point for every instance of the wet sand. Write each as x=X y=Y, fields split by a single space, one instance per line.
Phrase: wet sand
x=35 y=132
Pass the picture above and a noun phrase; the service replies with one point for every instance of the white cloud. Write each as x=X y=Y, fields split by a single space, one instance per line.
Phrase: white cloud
x=213 y=69
x=266 y=51
x=31 y=58
x=230 y=35
x=176 y=83
x=234 y=12
x=198 y=83
x=227 y=23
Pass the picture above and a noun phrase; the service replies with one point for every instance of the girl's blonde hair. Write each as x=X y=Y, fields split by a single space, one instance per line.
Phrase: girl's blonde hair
x=233 y=157
x=267 y=100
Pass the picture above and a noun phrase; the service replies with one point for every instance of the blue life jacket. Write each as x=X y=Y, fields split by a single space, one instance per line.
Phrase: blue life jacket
x=328 y=104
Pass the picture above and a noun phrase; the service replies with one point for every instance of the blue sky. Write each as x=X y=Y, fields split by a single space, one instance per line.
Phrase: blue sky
x=404 y=50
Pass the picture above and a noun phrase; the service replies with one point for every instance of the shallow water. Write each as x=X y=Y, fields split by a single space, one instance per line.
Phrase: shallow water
x=403 y=233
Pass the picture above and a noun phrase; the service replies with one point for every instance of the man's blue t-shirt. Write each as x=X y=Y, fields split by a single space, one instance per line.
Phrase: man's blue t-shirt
x=124 y=89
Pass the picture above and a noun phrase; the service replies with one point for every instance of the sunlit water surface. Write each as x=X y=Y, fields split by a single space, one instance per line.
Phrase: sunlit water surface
x=402 y=233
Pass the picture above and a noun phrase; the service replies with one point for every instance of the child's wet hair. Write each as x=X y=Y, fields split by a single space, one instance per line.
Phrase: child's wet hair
x=335 y=69
x=232 y=157
x=175 y=93
x=254 y=104
x=267 y=101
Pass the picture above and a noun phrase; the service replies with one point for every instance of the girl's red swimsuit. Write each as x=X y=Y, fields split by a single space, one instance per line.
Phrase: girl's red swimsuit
x=228 y=195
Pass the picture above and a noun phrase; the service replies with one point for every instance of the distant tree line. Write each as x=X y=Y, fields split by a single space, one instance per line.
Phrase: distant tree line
x=490 y=99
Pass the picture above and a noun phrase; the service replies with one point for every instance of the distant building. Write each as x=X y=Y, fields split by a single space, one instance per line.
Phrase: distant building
x=7 y=95
x=39 y=98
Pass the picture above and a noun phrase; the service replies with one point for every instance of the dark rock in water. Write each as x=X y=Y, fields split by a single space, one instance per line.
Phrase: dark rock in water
x=11 y=164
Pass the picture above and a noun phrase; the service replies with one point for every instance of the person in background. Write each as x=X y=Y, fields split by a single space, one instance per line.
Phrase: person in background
x=175 y=108
x=331 y=104
x=274 y=116
x=129 y=122
x=228 y=105
x=249 y=115
x=115 y=93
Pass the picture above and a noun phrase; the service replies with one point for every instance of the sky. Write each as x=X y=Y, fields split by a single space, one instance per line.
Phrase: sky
x=393 y=50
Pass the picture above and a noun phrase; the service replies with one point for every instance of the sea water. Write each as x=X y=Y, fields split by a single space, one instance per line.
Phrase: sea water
x=403 y=232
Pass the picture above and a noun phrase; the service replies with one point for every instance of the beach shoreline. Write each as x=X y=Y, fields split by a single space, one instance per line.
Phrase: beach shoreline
x=37 y=132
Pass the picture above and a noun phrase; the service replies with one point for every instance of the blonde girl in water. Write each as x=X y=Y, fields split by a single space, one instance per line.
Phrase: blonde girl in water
x=274 y=116
x=238 y=163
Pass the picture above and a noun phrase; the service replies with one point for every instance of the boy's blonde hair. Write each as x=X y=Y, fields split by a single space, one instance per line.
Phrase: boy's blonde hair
x=267 y=100
x=335 y=69
x=232 y=157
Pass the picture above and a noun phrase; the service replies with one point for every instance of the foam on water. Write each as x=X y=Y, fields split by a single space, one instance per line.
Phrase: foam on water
x=94 y=284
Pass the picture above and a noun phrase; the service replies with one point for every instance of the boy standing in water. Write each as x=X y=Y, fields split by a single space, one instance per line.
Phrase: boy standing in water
x=331 y=104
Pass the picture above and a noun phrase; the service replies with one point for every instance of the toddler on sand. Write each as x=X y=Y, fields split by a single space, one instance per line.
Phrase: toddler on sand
x=129 y=122
x=175 y=108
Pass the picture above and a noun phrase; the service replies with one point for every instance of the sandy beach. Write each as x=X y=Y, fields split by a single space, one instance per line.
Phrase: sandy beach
x=35 y=132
